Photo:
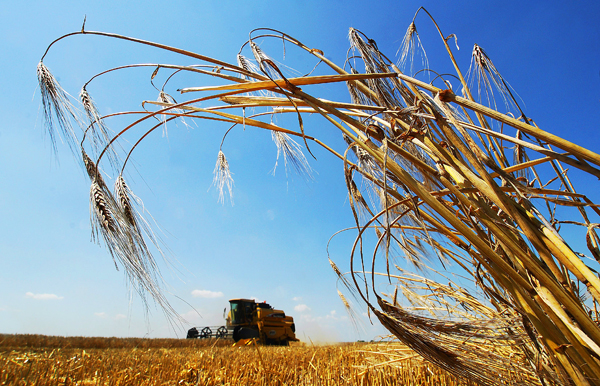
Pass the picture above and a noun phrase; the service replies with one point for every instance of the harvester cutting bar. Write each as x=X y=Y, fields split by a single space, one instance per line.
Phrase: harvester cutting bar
x=219 y=332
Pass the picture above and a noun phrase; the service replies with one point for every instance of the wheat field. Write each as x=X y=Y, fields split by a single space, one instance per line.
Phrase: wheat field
x=43 y=360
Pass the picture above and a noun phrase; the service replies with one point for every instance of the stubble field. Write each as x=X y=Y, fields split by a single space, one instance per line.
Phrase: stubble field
x=43 y=360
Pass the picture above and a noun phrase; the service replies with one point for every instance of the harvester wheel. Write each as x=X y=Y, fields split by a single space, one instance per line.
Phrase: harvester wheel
x=206 y=332
x=236 y=333
x=222 y=332
x=245 y=333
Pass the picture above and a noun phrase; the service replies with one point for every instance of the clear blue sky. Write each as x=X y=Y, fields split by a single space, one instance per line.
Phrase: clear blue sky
x=271 y=244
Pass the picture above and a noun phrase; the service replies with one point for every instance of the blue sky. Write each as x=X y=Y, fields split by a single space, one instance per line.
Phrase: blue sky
x=271 y=244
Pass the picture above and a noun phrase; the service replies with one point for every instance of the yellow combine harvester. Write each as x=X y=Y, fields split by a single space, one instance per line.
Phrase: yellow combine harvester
x=248 y=320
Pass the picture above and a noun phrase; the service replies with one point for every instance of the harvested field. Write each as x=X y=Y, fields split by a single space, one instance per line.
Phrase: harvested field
x=42 y=360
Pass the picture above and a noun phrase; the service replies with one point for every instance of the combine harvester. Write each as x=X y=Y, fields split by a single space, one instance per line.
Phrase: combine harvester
x=248 y=320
